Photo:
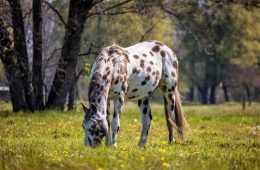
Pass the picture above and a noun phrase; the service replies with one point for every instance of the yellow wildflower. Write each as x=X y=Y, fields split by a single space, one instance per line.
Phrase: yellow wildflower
x=162 y=150
x=65 y=152
x=164 y=142
x=166 y=164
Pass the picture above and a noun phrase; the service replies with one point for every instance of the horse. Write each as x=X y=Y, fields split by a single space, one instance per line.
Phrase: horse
x=132 y=73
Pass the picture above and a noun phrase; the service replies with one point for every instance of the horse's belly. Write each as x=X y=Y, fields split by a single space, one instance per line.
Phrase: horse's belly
x=141 y=86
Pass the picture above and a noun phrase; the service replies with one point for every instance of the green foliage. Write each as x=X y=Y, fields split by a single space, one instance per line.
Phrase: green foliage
x=127 y=29
x=220 y=136
x=221 y=46
x=87 y=68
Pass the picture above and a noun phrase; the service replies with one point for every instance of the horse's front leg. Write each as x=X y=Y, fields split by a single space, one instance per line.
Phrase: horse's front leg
x=108 y=136
x=118 y=106
x=145 y=109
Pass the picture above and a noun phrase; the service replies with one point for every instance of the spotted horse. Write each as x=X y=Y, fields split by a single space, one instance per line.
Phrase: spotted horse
x=132 y=73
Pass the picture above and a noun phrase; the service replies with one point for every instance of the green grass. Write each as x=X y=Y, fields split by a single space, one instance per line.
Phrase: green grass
x=220 y=137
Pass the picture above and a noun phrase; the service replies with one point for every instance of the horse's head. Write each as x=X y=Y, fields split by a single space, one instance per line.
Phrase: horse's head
x=95 y=126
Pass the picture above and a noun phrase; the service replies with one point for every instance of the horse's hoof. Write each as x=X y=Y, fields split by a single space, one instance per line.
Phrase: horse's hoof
x=114 y=145
x=141 y=145
x=172 y=141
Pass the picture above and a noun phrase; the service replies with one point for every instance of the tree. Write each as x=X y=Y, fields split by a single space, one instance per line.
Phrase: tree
x=14 y=45
x=230 y=41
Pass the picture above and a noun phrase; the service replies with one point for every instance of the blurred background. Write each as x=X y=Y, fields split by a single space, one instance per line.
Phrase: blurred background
x=47 y=47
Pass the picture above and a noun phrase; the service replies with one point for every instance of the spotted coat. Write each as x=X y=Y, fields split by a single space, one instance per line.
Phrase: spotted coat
x=132 y=73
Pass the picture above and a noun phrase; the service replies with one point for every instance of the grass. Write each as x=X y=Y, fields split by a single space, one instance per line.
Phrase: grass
x=220 y=137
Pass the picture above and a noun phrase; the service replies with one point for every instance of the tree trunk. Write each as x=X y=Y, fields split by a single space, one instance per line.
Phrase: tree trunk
x=204 y=93
x=37 y=78
x=66 y=71
x=212 y=98
x=21 y=51
x=72 y=94
x=248 y=93
x=257 y=94
x=191 y=94
x=225 y=90
x=12 y=71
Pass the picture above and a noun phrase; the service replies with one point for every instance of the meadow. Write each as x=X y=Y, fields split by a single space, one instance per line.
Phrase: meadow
x=219 y=137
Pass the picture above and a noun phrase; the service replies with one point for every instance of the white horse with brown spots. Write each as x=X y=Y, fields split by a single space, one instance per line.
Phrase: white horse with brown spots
x=132 y=73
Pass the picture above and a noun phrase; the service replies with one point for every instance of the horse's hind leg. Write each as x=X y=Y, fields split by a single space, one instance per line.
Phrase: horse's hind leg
x=145 y=109
x=169 y=122
x=169 y=102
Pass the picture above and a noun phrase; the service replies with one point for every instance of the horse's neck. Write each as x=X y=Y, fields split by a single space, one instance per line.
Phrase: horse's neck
x=98 y=91
x=99 y=100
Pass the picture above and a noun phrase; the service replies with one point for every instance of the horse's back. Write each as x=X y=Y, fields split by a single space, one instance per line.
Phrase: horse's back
x=150 y=64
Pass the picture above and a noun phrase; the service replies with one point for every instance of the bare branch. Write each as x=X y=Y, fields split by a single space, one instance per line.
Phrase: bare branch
x=56 y=11
x=149 y=30
x=117 y=5
x=90 y=49
x=102 y=12
x=252 y=3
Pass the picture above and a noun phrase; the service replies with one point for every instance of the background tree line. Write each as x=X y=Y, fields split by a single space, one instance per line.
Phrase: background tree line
x=45 y=45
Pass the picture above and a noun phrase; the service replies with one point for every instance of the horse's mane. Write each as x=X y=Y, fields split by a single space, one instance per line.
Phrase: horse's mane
x=105 y=56
x=95 y=78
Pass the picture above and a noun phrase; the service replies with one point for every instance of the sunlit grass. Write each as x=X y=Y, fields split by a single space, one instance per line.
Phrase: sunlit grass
x=220 y=137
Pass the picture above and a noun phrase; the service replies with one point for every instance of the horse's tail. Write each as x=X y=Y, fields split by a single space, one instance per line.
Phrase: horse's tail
x=180 y=120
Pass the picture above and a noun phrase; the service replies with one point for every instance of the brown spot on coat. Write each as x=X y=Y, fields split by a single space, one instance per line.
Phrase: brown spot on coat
x=144 y=55
x=139 y=102
x=173 y=74
x=170 y=96
x=147 y=78
x=146 y=102
x=104 y=77
x=120 y=100
x=156 y=49
x=145 y=110
x=124 y=87
x=175 y=64
x=151 y=62
x=136 y=56
x=117 y=80
x=172 y=107
x=151 y=53
x=148 y=69
x=134 y=70
x=134 y=90
x=163 y=54
x=126 y=58
x=173 y=88
x=143 y=83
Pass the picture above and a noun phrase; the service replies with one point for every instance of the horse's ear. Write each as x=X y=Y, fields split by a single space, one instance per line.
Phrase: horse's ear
x=84 y=108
